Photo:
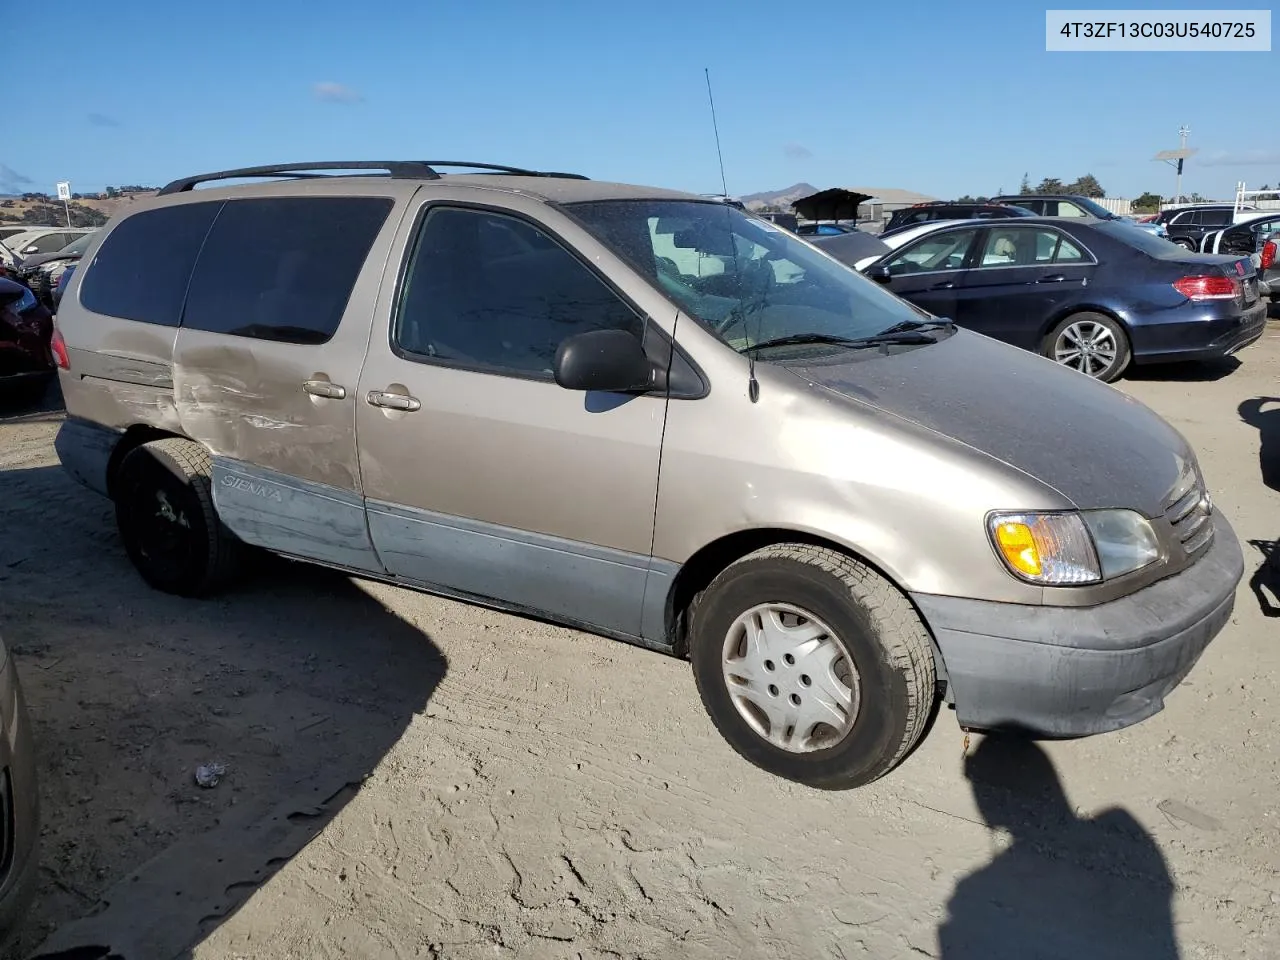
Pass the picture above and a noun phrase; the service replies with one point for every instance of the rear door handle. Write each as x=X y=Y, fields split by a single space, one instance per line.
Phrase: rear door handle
x=393 y=401
x=323 y=388
x=944 y=285
x=1055 y=278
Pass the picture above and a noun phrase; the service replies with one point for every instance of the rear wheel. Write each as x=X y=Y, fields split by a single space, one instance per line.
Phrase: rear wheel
x=166 y=517
x=1185 y=243
x=1092 y=343
x=812 y=666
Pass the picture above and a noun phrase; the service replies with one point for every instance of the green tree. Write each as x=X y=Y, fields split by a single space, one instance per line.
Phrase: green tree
x=1087 y=186
x=1051 y=185
x=1148 y=203
x=1025 y=187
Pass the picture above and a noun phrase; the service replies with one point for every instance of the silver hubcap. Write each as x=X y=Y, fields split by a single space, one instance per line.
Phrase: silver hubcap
x=791 y=678
x=1086 y=346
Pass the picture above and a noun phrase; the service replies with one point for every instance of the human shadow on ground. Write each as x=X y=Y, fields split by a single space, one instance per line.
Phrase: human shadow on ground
x=1263 y=414
x=1265 y=582
x=1063 y=888
x=297 y=679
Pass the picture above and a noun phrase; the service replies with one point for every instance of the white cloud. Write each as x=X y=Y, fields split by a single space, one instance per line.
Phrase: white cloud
x=797 y=151
x=330 y=92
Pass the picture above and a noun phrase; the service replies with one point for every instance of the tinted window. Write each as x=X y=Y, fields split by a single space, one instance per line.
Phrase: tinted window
x=282 y=268
x=945 y=250
x=1216 y=218
x=140 y=271
x=495 y=293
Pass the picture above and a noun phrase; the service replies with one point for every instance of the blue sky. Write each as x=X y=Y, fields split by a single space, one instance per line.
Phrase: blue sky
x=940 y=97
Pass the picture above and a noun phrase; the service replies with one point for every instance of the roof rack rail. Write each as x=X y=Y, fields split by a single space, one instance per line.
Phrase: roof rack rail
x=398 y=169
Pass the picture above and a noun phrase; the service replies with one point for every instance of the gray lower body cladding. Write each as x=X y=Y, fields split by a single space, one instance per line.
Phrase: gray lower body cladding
x=1078 y=671
x=85 y=450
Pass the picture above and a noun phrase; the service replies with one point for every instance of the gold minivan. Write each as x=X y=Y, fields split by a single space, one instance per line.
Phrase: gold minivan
x=650 y=415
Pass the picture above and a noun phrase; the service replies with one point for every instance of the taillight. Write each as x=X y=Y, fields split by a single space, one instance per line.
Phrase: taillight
x=1208 y=288
x=59 y=348
x=1268 y=254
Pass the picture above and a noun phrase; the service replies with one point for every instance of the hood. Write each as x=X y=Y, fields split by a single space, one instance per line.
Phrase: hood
x=1090 y=442
x=41 y=259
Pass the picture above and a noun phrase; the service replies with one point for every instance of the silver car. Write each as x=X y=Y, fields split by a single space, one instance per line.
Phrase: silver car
x=650 y=415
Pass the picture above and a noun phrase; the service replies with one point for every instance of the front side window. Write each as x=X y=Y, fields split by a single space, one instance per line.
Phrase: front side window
x=741 y=277
x=494 y=293
x=1066 y=208
x=282 y=268
x=938 y=251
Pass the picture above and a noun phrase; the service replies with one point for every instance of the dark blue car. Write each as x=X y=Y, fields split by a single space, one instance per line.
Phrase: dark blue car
x=1091 y=294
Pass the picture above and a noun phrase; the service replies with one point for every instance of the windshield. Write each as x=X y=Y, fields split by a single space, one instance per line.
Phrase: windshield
x=77 y=247
x=1095 y=209
x=745 y=279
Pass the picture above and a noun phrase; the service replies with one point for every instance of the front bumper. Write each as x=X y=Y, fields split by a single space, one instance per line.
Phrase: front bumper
x=1078 y=671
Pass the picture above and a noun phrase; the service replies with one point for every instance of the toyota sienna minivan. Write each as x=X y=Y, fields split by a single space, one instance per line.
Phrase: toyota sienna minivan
x=652 y=416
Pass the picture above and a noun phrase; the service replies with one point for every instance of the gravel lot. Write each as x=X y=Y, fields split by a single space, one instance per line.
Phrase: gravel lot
x=410 y=777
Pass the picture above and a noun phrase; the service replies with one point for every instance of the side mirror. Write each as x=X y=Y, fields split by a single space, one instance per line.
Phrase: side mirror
x=879 y=273
x=613 y=361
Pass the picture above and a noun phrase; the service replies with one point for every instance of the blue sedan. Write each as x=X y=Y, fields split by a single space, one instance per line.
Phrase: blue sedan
x=1094 y=295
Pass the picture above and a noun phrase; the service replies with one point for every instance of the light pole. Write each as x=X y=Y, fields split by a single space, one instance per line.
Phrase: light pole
x=1183 y=132
x=1177 y=157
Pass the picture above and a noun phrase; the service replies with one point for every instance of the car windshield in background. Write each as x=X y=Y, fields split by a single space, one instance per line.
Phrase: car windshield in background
x=77 y=247
x=742 y=277
x=1135 y=236
x=1095 y=209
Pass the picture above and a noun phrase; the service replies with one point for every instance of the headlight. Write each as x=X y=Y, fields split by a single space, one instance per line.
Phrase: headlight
x=1064 y=549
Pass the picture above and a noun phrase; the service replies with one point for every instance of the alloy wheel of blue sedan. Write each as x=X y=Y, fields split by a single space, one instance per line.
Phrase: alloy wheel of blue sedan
x=1092 y=344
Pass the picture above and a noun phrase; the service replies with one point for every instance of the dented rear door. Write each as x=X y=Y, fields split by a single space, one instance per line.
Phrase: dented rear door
x=266 y=363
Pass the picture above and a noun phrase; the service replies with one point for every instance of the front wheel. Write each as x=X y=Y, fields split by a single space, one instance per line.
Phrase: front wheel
x=1091 y=343
x=812 y=666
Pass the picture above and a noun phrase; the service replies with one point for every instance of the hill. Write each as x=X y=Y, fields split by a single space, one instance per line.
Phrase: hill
x=86 y=212
x=778 y=198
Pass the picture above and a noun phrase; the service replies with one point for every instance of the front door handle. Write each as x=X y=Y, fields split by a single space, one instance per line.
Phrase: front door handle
x=944 y=285
x=1055 y=278
x=323 y=388
x=393 y=401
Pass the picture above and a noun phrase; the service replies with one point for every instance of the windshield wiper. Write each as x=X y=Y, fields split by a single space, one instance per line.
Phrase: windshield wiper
x=938 y=323
x=890 y=336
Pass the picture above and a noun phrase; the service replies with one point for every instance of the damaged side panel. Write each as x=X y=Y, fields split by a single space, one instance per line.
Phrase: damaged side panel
x=292 y=516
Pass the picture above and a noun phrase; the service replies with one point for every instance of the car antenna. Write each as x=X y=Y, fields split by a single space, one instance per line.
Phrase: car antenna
x=753 y=385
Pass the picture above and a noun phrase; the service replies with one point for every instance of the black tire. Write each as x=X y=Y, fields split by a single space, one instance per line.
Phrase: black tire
x=1185 y=243
x=1124 y=352
x=881 y=632
x=166 y=517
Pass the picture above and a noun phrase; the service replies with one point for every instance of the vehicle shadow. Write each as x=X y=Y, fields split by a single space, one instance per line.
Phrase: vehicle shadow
x=1200 y=371
x=1267 y=422
x=1265 y=582
x=298 y=681
x=1062 y=887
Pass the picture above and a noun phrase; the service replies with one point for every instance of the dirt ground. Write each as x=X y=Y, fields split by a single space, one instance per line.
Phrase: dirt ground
x=410 y=777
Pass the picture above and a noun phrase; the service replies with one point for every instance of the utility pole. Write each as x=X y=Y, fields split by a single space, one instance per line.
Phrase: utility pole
x=1183 y=132
x=1176 y=158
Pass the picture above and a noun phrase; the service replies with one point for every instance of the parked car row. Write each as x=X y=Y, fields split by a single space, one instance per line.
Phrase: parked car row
x=1094 y=295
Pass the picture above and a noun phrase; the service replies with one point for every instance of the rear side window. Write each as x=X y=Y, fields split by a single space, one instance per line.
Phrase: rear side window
x=282 y=268
x=141 y=270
